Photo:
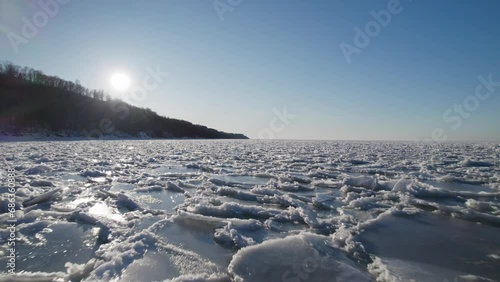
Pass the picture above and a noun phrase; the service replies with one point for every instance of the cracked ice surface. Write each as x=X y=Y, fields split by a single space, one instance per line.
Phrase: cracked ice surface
x=245 y=210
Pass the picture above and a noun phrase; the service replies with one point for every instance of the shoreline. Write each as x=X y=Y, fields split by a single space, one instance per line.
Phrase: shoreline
x=106 y=138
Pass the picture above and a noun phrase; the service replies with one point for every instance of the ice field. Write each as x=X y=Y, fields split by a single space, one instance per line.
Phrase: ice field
x=191 y=210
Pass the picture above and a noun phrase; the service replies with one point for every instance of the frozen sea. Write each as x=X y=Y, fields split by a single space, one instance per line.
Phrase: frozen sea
x=246 y=210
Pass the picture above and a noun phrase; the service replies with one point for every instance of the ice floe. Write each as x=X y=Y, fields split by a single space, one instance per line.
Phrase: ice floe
x=242 y=210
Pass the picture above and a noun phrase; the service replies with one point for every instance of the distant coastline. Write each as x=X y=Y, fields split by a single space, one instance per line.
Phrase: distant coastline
x=38 y=106
x=56 y=138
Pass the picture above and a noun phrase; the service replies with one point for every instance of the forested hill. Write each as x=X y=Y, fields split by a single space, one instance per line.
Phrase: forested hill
x=34 y=102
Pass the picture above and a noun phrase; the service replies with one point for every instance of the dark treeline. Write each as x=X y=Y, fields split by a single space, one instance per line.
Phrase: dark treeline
x=34 y=101
x=38 y=77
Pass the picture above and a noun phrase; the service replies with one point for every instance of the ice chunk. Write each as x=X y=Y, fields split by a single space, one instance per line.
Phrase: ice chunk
x=49 y=246
x=237 y=194
x=37 y=276
x=304 y=257
x=41 y=183
x=402 y=185
x=174 y=187
x=324 y=201
x=479 y=205
x=45 y=197
x=429 y=242
x=471 y=163
x=38 y=169
x=92 y=173
x=102 y=210
x=124 y=201
x=233 y=233
x=233 y=210
x=367 y=182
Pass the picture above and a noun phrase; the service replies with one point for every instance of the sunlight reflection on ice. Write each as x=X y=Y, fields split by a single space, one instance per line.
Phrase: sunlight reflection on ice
x=103 y=210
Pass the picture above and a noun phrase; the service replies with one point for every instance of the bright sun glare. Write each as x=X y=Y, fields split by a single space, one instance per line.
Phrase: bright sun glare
x=120 y=81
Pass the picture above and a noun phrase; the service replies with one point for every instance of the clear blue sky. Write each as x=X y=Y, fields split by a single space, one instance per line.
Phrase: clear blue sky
x=229 y=74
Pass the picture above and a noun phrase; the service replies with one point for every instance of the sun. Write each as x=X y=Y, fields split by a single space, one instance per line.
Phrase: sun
x=120 y=81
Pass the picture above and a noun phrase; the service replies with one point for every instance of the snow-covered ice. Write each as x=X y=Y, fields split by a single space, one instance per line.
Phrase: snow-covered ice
x=242 y=210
